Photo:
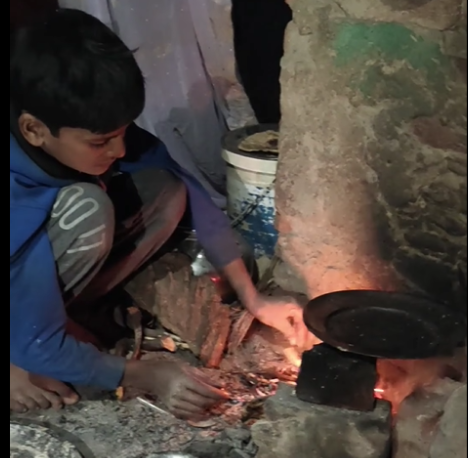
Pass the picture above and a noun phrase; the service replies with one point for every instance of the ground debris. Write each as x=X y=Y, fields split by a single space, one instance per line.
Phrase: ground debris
x=231 y=443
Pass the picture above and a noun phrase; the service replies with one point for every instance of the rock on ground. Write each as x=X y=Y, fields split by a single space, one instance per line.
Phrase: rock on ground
x=451 y=440
x=418 y=419
x=296 y=429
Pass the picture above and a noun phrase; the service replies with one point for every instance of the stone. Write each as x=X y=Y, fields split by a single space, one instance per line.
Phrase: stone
x=457 y=167
x=418 y=418
x=371 y=181
x=461 y=289
x=288 y=280
x=405 y=5
x=455 y=43
x=293 y=428
x=231 y=443
x=334 y=378
x=41 y=441
x=430 y=14
x=432 y=132
x=451 y=222
x=207 y=449
x=426 y=241
x=450 y=191
x=451 y=440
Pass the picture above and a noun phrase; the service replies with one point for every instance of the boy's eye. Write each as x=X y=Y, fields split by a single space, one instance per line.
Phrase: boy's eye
x=98 y=145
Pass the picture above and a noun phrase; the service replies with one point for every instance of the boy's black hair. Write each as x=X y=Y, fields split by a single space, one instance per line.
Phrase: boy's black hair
x=71 y=70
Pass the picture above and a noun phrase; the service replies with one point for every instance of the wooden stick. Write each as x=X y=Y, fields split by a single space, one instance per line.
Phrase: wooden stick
x=152 y=406
x=134 y=322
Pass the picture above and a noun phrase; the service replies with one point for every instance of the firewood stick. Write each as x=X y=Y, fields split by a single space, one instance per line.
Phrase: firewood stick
x=134 y=322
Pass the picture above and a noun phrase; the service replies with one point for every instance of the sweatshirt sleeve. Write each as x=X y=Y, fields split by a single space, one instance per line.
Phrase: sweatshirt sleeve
x=38 y=341
x=211 y=224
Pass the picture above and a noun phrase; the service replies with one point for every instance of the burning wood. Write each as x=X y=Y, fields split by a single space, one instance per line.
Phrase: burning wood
x=248 y=393
x=197 y=316
x=250 y=375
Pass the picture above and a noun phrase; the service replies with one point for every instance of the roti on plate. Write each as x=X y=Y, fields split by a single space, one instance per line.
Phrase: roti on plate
x=265 y=142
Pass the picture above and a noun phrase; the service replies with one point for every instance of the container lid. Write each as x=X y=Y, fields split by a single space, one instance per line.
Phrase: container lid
x=387 y=325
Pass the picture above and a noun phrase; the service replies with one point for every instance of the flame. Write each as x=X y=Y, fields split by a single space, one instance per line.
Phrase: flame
x=400 y=379
x=379 y=393
x=293 y=356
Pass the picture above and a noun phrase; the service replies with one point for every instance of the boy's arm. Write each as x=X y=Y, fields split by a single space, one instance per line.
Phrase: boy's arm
x=212 y=226
x=38 y=341
x=217 y=238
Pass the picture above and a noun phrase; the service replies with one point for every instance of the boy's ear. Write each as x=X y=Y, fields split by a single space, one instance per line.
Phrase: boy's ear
x=32 y=129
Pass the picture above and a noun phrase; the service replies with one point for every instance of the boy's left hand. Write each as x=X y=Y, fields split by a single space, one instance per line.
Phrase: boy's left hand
x=285 y=315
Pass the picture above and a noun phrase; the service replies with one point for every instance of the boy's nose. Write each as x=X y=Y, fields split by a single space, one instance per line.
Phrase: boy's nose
x=117 y=148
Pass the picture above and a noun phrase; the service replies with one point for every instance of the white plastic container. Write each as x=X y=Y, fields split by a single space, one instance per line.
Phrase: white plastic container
x=251 y=194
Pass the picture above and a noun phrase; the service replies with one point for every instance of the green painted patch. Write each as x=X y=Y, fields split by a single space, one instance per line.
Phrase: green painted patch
x=414 y=64
x=390 y=42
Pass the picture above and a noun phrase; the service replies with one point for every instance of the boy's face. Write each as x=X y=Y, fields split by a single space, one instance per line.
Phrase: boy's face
x=78 y=149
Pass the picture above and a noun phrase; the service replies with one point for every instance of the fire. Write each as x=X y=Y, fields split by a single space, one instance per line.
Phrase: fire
x=400 y=379
x=293 y=356
x=379 y=390
x=379 y=393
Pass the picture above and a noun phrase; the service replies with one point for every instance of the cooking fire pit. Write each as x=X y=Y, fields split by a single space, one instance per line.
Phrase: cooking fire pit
x=361 y=326
x=331 y=412
x=336 y=404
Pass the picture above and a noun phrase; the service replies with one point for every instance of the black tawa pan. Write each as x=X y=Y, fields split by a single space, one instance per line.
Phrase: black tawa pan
x=386 y=325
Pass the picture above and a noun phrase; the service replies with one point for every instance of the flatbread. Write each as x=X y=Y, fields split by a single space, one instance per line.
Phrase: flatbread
x=264 y=142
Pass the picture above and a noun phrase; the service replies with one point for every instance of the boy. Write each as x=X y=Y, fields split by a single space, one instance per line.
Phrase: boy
x=92 y=198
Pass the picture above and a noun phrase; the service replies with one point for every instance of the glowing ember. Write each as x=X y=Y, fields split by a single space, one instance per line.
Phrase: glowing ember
x=379 y=393
x=293 y=356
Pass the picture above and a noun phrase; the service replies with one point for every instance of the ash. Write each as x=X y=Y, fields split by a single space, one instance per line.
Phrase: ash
x=130 y=429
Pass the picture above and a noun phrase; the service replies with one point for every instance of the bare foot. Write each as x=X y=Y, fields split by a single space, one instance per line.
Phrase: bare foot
x=31 y=392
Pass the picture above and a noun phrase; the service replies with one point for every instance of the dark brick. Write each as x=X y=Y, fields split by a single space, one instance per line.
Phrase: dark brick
x=334 y=378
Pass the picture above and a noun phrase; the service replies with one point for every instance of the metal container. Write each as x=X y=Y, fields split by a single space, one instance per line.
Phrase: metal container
x=201 y=266
x=250 y=183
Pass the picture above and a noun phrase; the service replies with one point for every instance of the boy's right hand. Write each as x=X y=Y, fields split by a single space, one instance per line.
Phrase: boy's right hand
x=186 y=393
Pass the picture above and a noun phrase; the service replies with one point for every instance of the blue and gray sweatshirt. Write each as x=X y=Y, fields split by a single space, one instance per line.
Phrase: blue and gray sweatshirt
x=38 y=341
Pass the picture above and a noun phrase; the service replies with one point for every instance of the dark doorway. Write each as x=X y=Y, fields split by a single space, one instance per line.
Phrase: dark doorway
x=259 y=27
